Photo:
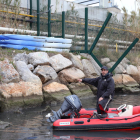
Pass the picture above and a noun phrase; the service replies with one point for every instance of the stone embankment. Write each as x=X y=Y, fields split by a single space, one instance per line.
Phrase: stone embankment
x=36 y=78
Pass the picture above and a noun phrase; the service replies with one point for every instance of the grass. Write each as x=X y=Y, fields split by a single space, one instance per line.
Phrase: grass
x=9 y=53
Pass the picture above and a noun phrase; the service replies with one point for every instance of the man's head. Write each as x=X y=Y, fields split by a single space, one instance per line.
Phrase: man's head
x=104 y=70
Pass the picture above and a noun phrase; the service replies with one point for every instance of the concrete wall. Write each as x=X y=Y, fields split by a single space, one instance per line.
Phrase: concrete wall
x=106 y=3
x=58 y=5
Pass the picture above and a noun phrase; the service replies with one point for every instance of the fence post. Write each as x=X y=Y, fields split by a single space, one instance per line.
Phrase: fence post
x=86 y=30
x=100 y=33
x=38 y=18
x=63 y=24
x=124 y=54
x=30 y=14
x=49 y=18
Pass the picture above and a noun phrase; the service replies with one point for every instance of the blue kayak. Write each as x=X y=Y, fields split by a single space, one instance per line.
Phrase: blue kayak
x=37 y=44
x=19 y=47
x=2 y=37
x=37 y=38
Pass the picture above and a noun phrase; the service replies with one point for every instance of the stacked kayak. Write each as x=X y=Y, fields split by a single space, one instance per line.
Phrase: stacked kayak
x=41 y=43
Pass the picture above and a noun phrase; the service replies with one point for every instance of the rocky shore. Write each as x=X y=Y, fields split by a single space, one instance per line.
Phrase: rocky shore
x=36 y=78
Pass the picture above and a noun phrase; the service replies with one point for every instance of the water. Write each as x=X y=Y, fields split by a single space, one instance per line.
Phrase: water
x=31 y=124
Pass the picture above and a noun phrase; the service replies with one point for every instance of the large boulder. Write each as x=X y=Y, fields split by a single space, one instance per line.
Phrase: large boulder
x=76 y=62
x=70 y=75
x=138 y=69
x=88 y=68
x=129 y=81
x=38 y=58
x=131 y=89
x=8 y=73
x=81 y=90
x=93 y=62
x=125 y=62
x=22 y=94
x=118 y=70
x=21 y=57
x=59 y=62
x=133 y=71
x=55 y=92
x=45 y=73
x=118 y=79
x=31 y=67
x=26 y=74
x=105 y=60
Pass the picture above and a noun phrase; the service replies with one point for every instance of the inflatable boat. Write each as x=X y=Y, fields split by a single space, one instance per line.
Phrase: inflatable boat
x=71 y=116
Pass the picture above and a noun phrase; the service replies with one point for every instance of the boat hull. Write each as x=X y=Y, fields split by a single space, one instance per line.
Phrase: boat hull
x=110 y=123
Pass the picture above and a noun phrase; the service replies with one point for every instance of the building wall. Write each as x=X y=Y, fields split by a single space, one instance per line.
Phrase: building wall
x=106 y=3
x=58 y=5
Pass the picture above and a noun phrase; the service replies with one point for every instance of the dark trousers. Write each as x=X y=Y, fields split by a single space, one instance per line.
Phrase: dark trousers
x=100 y=109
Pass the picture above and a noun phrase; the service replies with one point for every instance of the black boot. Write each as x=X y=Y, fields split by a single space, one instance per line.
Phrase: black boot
x=104 y=115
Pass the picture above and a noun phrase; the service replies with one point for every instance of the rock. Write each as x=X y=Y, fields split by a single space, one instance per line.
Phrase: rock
x=53 y=103
x=21 y=89
x=21 y=57
x=118 y=70
x=132 y=70
x=110 y=64
x=118 y=79
x=78 y=56
x=54 y=87
x=76 y=62
x=138 y=69
x=70 y=75
x=105 y=60
x=8 y=73
x=45 y=73
x=81 y=90
x=93 y=62
x=46 y=110
x=129 y=81
x=31 y=67
x=55 y=92
x=22 y=94
x=3 y=125
x=26 y=74
x=59 y=62
x=88 y=68
x=17 y=111
x=125 y=62
x=131 y=89
x=38 y=58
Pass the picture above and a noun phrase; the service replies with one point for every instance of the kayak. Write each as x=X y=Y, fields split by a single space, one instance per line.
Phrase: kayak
x=37 y=38
x=19 y=47
x=71 y=116
x=37 y=44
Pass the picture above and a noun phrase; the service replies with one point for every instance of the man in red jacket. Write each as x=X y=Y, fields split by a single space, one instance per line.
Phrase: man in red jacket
x=105 y=90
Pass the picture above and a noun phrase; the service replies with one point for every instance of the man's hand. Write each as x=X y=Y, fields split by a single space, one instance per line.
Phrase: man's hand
x=100 y=99
x=79 y=80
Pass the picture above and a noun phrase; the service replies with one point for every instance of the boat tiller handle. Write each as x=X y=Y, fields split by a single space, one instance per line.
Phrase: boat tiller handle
x=91 y=117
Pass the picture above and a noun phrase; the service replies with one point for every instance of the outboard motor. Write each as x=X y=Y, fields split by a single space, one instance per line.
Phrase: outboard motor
x=71 y=105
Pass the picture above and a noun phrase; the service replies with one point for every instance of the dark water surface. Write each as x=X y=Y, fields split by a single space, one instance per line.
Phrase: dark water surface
x=31 y=124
